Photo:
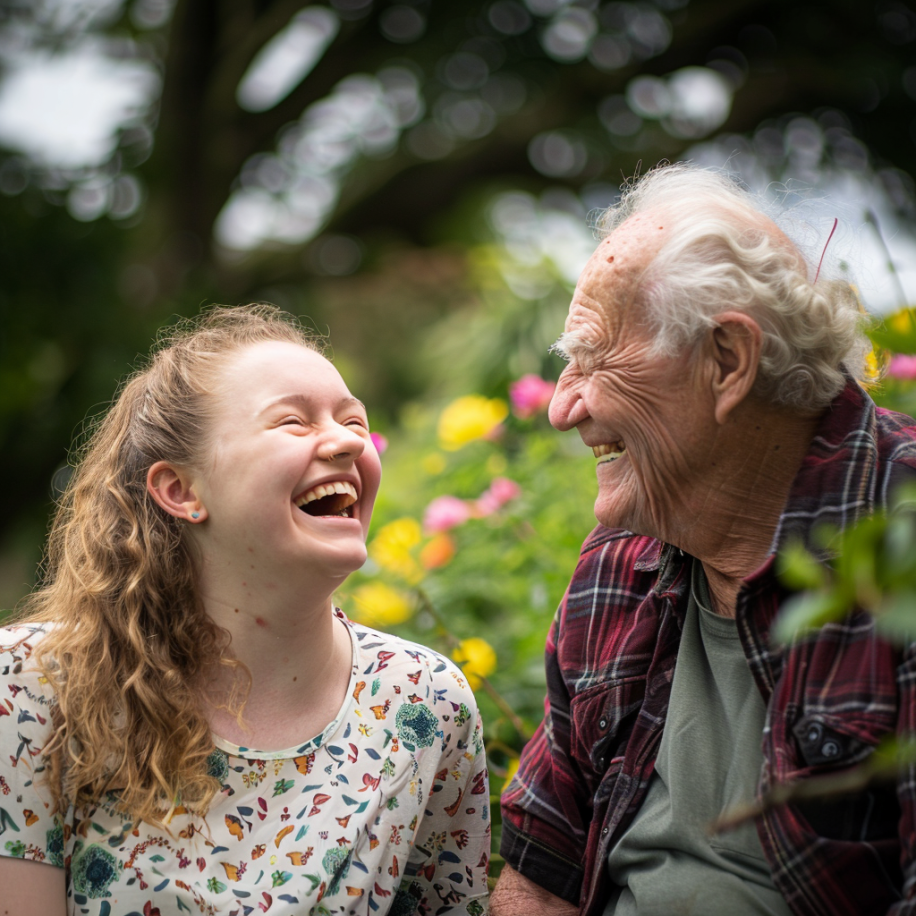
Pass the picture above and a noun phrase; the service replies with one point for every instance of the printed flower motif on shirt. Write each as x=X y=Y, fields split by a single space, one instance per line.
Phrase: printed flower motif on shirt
x=218 y=765
x=336 y=863
x=94 y=870
x=56 y=845
x=16 y=848
x=416 y=725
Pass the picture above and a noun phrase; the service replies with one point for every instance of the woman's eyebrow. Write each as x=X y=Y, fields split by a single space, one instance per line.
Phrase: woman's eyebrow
x=304 y=402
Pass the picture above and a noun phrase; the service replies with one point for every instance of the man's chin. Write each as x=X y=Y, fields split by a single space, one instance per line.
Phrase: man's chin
x=610 y=515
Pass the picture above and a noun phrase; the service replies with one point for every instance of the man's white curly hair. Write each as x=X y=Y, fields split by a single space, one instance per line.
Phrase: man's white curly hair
x=722 y=253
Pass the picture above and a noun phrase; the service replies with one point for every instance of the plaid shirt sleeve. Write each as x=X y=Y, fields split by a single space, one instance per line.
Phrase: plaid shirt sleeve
x=545 y=808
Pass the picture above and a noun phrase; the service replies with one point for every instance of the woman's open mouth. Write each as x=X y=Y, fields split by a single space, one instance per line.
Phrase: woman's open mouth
x=333 y=499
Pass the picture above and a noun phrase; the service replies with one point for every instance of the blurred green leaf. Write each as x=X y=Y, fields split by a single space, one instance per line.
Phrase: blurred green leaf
x=799 y=569
x=806 y=612
x=896 y=620
x=895 y=333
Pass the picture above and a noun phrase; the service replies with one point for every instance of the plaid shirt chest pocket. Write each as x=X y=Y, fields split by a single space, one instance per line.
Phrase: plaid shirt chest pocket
x=830 y=740
x=602 y=720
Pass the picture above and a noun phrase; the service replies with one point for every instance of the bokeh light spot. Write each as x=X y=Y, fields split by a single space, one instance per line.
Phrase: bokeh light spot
x=557 y=154
x=402 y=24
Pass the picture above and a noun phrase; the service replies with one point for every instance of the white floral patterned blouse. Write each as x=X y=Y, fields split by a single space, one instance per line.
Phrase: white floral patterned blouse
x=386 y=811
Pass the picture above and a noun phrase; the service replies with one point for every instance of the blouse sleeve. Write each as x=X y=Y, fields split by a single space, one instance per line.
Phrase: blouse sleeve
x=28 y=827
x=447 y=869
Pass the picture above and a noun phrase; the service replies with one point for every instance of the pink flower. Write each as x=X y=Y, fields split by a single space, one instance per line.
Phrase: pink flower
x=530 y=395
x=380 y=442
x=902 y=366
x=501 y=491
x=445 y=512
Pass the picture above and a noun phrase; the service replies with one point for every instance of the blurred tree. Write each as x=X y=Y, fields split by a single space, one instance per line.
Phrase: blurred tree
x=342 y=160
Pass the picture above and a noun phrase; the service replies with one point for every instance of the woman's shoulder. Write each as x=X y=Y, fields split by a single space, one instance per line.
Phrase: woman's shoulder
x=21 y=682
x=17 y=642
x=412 y=670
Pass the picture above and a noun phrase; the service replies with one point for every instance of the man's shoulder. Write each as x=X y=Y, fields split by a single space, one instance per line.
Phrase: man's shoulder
x=896 y=434
x=621 y=547
x=617 y=569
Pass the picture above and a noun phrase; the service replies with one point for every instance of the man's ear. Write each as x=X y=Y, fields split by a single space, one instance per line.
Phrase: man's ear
x=736 y=343
x=172 y=489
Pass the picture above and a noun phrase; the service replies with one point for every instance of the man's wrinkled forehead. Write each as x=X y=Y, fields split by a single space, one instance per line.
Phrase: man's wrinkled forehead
x=613 y=272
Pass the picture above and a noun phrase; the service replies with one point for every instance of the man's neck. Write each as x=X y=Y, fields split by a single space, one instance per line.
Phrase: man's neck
x=733 y=521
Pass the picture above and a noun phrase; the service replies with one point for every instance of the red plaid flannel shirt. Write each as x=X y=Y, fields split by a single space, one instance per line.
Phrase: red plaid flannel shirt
x=830 y=698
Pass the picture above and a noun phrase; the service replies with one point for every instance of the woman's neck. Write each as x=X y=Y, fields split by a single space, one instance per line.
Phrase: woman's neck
x=297 y=653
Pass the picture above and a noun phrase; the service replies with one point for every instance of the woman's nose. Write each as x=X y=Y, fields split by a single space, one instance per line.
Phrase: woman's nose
x=341 y=442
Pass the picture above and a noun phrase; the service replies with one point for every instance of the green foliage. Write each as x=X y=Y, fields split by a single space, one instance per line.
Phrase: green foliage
x=873 y=568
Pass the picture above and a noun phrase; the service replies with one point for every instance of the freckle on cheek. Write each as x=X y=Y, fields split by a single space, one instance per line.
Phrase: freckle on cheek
x=610 y=260
x=260 y=621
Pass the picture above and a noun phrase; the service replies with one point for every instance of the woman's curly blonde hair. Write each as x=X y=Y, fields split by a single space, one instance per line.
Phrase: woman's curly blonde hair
x=129 y=647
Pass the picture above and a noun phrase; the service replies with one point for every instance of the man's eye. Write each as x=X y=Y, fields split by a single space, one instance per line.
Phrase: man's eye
x=291 y=421
x=357 y=422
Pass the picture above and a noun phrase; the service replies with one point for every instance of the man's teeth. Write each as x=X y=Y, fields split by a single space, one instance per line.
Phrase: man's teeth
x=339 y=496
x=608 y=451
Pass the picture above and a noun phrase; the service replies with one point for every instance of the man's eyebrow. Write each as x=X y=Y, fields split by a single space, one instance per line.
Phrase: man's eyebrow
x=304 y=402
x=571 y=343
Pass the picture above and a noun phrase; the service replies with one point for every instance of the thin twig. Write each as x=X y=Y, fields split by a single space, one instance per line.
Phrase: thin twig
x=881 y=766
x=490 y=690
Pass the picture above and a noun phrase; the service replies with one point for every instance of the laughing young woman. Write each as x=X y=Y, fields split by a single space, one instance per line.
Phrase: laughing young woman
x=186 y=722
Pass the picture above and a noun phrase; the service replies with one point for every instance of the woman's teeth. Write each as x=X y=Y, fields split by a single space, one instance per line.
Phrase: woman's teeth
x=334 y=498
x=608 y=452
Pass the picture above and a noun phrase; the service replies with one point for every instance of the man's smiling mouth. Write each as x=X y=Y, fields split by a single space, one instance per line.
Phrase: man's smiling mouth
x=335 y=498
x=608 y=451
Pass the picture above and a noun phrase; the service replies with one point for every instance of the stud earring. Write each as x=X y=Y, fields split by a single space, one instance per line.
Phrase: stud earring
x=195 y=515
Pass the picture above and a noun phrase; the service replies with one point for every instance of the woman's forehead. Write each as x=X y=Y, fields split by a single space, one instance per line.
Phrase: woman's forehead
x=267 y=369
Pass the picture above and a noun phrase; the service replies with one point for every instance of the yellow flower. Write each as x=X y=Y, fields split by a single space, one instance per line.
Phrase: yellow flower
x=902 y=320
x=391 y=548
x=477 y=659
x=875 y=365
x=469 y=418
x=380 y=605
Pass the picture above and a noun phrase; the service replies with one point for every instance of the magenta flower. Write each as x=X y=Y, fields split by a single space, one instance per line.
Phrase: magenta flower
x=445 y=512
x=380 y=442
x=530 y=395
x=901 y=366
x=501 y=491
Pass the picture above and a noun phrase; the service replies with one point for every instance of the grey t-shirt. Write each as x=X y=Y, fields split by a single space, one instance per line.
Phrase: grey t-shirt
x=709 y=760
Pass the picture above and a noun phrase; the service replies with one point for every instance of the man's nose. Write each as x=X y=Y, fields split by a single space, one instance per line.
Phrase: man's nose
x=567 y=409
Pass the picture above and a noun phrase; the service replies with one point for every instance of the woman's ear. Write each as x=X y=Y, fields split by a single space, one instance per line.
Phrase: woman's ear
x=736 y=344
x=173 y=491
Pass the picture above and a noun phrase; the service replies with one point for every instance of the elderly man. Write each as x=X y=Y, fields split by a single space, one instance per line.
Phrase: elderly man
x=713 y=375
